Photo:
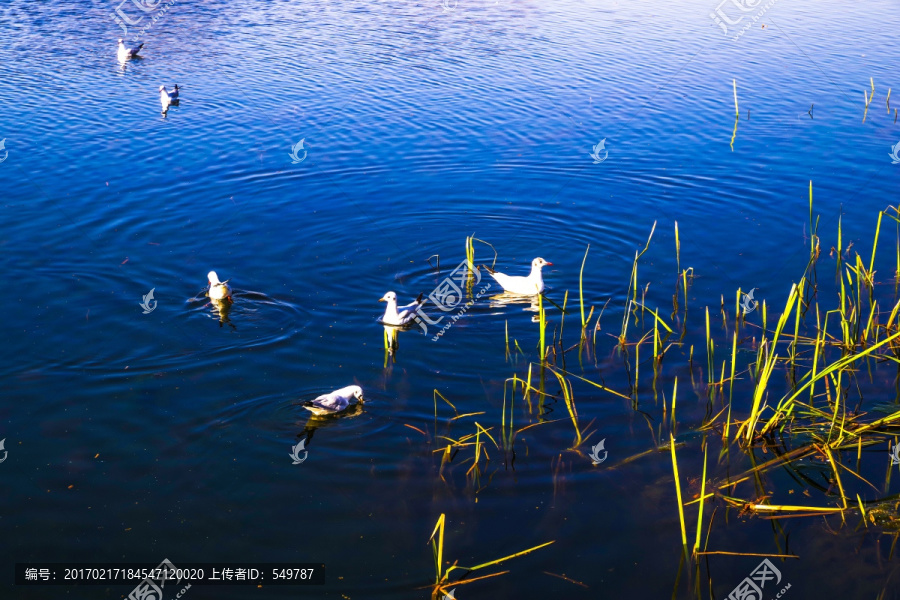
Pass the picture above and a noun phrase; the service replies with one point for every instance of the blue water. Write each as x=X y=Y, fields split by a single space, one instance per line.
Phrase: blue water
x=135 y=437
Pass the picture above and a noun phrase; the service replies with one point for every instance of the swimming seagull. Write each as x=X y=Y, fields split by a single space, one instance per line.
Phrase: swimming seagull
x=126 y=53
x=335 y=401
x=218 y=290
x=166 y=97
x=526 y=286
x=402 y=315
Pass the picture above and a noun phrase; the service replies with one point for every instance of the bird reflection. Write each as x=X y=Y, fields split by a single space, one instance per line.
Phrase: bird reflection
x=506 y=299
x=392 y=338
x=391 y=343
x=327 y=420
x=221 y=308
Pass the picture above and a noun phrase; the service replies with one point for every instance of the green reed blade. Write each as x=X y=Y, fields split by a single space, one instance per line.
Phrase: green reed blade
x=678 y=492
x=581 y=289
x=702 y=496
x=677 y=250
x=736 y=112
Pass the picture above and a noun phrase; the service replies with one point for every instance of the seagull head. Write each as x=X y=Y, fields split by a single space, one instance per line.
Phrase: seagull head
x=121 y=41
x=356 y=392
x=389 y=297
x=213 y=278
x=539 y=262
x=162 y=88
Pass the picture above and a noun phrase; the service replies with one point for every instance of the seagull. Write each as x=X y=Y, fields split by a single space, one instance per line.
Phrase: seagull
x=218 y=290
x=126 y=53
x=525 y=286
x=403 y=315
x=335 y=401
x=166 y=98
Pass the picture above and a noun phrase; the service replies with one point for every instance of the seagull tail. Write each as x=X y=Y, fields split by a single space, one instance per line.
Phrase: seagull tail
x=419 y=298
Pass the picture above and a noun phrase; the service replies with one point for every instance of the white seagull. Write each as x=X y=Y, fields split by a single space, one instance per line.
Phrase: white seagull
x=126 y=53
x=218 y=290
x=403 y=315
x=166 y=98
x=335 y=401
x=525 y=286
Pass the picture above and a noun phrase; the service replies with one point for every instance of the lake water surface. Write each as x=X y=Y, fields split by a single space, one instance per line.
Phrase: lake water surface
x=135 y=437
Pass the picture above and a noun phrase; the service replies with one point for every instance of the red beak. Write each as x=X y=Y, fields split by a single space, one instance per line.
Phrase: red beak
x=548 y=263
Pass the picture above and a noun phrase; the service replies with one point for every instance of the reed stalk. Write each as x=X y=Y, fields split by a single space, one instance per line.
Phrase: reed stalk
x=581 y=290
x=736 y=111
x=684 y=543
x=702 y=496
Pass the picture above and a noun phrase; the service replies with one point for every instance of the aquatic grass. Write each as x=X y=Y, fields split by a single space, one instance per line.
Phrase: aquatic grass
x=702 y=497
x=633 y=285
x=734 y=132
x=678 y=493
x=710 y=352
x=543 y=327
x=736 y=111
x=768 y=367
x=593 y=383
x=731 y=384
x=569 y=398
x=506 y=435
x=581 y=292
x=837 y=367
x=442 y=576
x=470 y=252
x=506 y=331
x=674 y=402
x=677 y=250
x=819 y=363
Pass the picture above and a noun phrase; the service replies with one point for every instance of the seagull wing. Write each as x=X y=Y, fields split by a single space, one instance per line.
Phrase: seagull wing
x=408 y=312
x=332 y=401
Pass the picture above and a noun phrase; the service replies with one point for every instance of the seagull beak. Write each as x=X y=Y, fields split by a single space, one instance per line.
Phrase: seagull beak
x=547 y=262
x=382 y=300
